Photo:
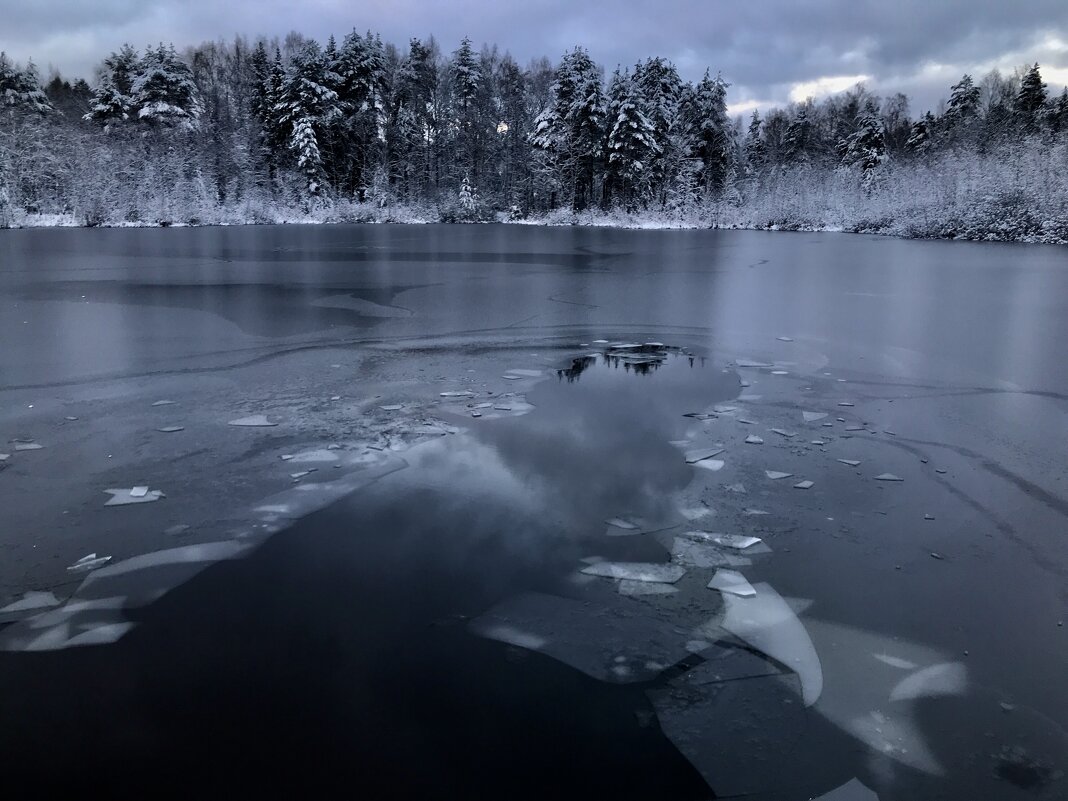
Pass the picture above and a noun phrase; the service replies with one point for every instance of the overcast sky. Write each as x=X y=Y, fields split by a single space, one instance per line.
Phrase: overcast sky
x=771 y=51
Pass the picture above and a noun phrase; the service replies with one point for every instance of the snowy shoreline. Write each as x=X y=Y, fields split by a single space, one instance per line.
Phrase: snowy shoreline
x=559 y=219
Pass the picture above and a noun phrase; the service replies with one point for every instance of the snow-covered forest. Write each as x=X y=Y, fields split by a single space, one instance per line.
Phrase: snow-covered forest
x=296 y=131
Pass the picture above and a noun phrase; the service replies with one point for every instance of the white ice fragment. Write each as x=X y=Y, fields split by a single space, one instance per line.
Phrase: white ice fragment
x=724 y=409
x=4 y=457
x=637 y=571
x=850 y=462
x=753 y=439
x=253 y=421
x=733 y=582
x=631 y=587
x=783 y=433
x=767 y=623
x=28 y=446
x=300 y=474
x=812 y=417
x=527 y=373
x=465 y=393
x=947 y=678
x=776 y=474
x=31 y=600
x=476 y=413
x=818 y=442
x=89 y=562
x=780 y=372
x=738 y=488
x=176 y=530
x=756 y=512
x=696 y=455
x=511 y=377
x=514 y=636
x=739 y=541
x=750 y=363
x=711 y=464
x=852 y=790
x=844 y=403
x=171 y=429
x=895 y=661
x=317 y=455
x=696 y=512
x=746 y=421
x=201 y=552
x=619 y=522
x=804 y=484
x=888 y=477
x=392 y=407
x=124 y=497
x=785 y=339
x=599 y=342
x=164 y=403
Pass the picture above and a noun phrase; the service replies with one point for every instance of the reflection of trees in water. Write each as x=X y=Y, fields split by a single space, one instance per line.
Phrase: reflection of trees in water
x=643 y=360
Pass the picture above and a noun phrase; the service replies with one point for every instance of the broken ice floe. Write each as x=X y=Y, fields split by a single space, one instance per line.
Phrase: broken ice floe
x=780 y=372
x=895 y=661
x=176 y=530
x=696 y=455
x=948 y=678
x=750 y=363
x=785 y=339
x=756 y=512
x=4 y=457
x=724 y=409
x=767 y=623
x=774 y=475
x=845 y=403
x=205 y=552
x=164 y=403
x=253 y=421
x=806 y=484
x=31 y=601
x=28 y=446
x=812 y=417
x=746 y=421
x=731 y=582
x=525 y=373
x=316 y=455
x=888 y=477
x=89 y=562
x=620 y=523
x=608 y=642
x=739 y=541
x=753 y=439
x=664 y=573
x=710 y=464
x=171 y=429
x=818 y=442
x=124 y=497
x=852 y=790
x=850 y=462
x=392 y=407
x=464 y=393
x=783 y=433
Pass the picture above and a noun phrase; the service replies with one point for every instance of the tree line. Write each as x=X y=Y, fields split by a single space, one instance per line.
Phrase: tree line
x=162 y=136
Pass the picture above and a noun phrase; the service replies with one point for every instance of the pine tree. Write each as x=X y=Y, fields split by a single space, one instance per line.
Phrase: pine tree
x=632 y=144
x=1030 y=100
x=305 y=106
x=164 y=92
x=712 y=133
x=963 y=103
x=920 y=134
x=20 y=89
x=756 y=150
x=113 y=98
x=1058 y=115
x=571 y=130
x=799 y=136
x=866 y=148
x=465 y=81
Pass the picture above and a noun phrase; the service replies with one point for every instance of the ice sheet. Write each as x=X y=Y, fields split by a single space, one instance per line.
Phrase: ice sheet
x=665 y=573
x=731 y=582
x=767 y=623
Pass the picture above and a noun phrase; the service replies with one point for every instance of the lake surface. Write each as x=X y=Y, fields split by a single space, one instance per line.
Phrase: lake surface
x=409 y=582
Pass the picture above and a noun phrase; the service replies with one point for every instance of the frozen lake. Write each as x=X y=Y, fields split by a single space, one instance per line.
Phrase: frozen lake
x=440 y=508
